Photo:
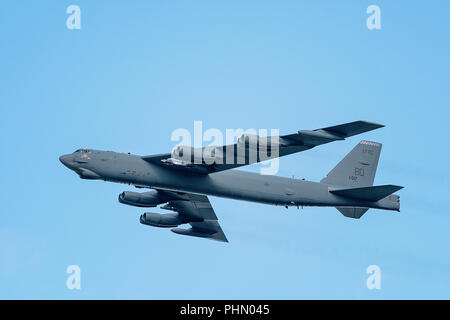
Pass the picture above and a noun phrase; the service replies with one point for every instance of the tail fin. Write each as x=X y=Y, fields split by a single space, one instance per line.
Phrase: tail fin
x=358 y=168
x=367 y=193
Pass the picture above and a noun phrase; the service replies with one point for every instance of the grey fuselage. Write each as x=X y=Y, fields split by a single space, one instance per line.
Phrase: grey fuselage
x=234 y=184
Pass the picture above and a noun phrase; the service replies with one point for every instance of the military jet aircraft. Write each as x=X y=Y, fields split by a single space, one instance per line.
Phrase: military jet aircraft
x=182 y=185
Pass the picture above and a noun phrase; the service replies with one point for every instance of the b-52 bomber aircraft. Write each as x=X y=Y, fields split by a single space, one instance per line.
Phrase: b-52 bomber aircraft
x=182 y=186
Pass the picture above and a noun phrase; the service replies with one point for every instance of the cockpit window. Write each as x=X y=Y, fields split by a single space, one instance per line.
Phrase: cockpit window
x=83 y=151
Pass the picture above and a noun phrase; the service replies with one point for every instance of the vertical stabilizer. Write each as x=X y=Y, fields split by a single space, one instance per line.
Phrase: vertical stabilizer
x=358 y=168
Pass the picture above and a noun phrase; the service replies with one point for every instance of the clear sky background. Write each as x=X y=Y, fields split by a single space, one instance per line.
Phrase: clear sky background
x=138 y=70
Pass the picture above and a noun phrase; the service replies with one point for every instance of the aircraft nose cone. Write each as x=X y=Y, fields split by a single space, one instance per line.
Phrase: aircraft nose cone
x=65 y=160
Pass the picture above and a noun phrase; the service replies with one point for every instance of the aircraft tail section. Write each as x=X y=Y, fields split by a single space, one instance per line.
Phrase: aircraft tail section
x=358 y=168
x=353 y=178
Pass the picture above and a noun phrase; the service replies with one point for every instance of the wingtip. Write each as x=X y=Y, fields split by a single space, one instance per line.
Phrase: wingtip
x=397 y=188
x=375 y=124
x=220 y=238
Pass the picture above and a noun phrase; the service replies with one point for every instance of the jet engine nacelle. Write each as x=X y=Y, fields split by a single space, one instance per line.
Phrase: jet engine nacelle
x=145 y=199
x=168 y=220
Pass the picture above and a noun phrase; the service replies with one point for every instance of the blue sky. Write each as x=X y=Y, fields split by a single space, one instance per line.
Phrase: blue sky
x=136 y=72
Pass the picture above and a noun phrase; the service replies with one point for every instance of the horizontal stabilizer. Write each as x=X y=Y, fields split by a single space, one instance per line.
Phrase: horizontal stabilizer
x=367 y=193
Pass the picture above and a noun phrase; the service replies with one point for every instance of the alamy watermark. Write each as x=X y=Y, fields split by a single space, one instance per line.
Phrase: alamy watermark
x=373 y=22
x=74 y=20
x=73 y=281
x=374 y=280
x=237 y=147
